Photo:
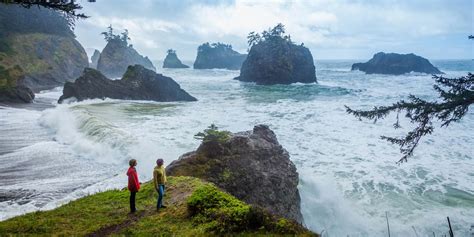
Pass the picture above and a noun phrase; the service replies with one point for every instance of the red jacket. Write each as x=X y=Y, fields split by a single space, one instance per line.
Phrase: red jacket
x=133 y=183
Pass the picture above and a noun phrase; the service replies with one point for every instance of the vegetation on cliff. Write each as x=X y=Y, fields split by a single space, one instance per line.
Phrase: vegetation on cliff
x=195 y=208
x=40 y=42
x=10 y=91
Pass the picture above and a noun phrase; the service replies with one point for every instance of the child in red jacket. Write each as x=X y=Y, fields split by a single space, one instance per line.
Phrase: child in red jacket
x=133 y=183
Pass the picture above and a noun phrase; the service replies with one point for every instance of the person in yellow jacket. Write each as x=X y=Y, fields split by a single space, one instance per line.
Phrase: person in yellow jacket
x=159 y=180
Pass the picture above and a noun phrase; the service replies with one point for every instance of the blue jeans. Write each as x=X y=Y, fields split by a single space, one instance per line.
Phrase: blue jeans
x=161 y=192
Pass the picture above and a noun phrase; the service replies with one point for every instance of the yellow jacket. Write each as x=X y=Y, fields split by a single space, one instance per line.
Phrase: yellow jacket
x=159 y=175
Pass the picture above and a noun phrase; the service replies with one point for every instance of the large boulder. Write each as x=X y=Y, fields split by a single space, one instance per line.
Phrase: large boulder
x=11 y=90
x=250 y=165
x=95 y=59
x=172 y=60
x=396 y=64
x=117 y=56
x=39 y=41
x=277 y=60
x=138 y=83
x=218 y=55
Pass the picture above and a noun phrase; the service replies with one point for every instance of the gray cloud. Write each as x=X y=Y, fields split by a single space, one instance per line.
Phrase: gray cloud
x=331 y=29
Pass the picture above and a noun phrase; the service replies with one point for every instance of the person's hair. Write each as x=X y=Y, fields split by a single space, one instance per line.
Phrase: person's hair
x=132 y=162
x=159 y=162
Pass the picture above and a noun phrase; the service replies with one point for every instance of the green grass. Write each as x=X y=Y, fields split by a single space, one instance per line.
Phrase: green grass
x=195 y=208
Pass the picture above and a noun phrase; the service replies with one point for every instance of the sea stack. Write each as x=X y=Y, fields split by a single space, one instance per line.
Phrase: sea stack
x=218 y=55
x=250 y=165
x=396 y=64
x=118 y=55
x=138 y=83
x=95 y=59
x=172 y=60
x=274 y=59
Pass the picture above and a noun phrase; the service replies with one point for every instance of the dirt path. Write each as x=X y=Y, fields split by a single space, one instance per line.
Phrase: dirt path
x=174 y=196
x=113 y=229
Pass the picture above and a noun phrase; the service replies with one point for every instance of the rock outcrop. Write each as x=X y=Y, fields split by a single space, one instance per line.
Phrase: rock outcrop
x=218 y=55
x=172 y=60
x=39 y=41
x=11 y=89
x=95 y=59
x=396 y=64
x=250 y=165
x=117 y=56
x=275 y=59
x=138 y=83
x=18 y=94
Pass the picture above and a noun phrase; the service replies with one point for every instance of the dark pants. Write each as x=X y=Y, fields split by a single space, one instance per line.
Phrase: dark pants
x=161 y=192
x=132 y=201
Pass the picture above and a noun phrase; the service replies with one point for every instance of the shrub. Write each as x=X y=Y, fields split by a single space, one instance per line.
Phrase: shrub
x=213 y=134
x=220 y=211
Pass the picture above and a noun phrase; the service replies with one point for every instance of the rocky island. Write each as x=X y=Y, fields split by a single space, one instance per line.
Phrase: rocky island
x=172 y=60
x=218 y=55
x=138 y=83
x=254 y=160
x=396 y=64
x=118 y=55
x=40 y=43
x=274 y=59
x=95 y=59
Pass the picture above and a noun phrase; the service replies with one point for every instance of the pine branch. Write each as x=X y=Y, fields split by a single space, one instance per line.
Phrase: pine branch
x=455 y=97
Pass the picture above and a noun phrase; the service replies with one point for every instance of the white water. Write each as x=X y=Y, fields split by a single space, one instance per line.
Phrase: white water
x=348 y=176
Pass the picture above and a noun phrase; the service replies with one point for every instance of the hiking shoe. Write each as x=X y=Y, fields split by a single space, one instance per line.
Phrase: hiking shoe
x=163 y=206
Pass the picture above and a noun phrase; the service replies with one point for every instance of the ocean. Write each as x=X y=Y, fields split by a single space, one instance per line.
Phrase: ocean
x=350 y=184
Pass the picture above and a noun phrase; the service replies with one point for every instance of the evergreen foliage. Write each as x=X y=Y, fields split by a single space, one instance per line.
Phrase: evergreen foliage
x=455 y=94
x=212 y=133
x=110 y=36
x=68 y=9
x=272 y=34
x=206 y=46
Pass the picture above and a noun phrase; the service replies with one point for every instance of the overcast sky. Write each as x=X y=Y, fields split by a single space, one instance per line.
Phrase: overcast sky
x=342 y=29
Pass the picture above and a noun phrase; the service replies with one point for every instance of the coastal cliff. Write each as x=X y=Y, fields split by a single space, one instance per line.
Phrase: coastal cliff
x=40 y=42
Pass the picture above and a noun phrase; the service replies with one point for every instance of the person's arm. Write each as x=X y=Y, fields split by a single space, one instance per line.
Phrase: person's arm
x=155 y=179
x=164 y=175
x=137 y=183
